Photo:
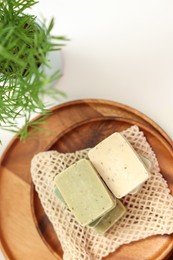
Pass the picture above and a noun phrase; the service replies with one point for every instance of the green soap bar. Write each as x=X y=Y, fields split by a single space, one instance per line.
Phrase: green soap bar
x=94 y=223
x=107 y=221
x=84 y=192
x=59 y=196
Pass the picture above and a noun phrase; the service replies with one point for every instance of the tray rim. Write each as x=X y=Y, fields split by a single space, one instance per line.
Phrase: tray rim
x=95 y=101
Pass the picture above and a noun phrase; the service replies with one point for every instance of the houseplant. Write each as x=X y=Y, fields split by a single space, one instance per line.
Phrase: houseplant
x=24 y=45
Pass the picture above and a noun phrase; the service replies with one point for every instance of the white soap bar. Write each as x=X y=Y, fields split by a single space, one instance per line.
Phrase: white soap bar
x=119 y=165
x=148 y=165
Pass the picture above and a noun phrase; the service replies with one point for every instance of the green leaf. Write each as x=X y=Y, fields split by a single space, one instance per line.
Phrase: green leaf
x=24 y=45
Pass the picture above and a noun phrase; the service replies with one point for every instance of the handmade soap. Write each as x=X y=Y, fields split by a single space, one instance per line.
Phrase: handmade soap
x=104 y=223
x=148 y=165
x=94 y=223
x=110 y=218
x=84 y=192
x=118 y=164
x=59 y=196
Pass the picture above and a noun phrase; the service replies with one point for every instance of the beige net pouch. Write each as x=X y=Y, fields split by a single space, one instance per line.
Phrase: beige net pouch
x=149 y=212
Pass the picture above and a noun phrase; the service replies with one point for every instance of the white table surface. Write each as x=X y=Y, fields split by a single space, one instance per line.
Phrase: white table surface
x=118 y=50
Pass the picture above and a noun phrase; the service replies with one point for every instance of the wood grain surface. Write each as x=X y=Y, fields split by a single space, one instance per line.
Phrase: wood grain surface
x=21 y=237
x=88 y=134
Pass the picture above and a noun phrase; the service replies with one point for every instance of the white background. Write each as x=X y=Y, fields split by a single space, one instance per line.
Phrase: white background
x=118 y=50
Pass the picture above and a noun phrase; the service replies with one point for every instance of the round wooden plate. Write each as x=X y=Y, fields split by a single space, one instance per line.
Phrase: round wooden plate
x=19 y=236
x=88 y=134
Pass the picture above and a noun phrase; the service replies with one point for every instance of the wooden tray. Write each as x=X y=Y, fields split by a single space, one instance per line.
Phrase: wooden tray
x=20 y=238
x=88 y=134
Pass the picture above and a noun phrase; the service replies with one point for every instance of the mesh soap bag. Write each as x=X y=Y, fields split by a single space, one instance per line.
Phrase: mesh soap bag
x=149 y=212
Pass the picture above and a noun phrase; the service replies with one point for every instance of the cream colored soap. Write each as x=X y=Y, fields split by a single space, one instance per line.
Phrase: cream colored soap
x=84 y=192
x=118 y=164
x=148 y=165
